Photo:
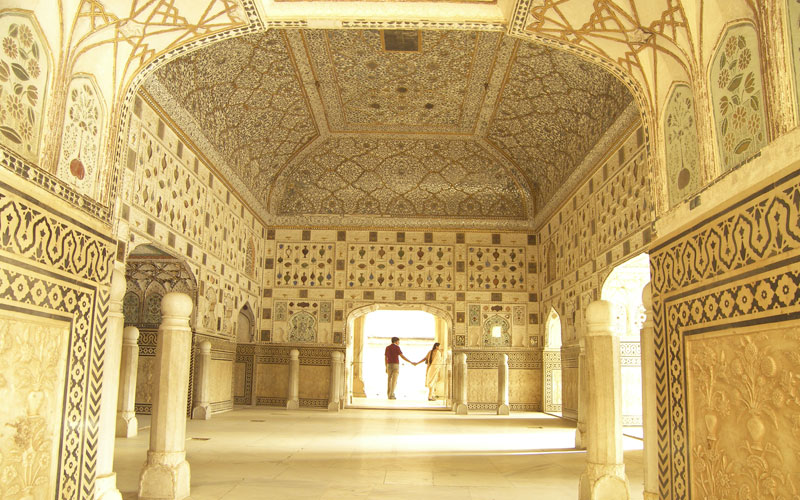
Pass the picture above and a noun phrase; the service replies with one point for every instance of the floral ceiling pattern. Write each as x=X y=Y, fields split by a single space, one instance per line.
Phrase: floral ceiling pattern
x=462 y=124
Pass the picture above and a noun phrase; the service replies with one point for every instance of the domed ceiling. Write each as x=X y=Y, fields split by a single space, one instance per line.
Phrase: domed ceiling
x=365 y=124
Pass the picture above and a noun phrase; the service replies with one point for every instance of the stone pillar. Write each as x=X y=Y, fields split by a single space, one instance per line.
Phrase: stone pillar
x=106 y=482
x=254 y=381
x=460 y=406
x=779 y=91
x=127 y=425
x=165 y=475
x=336 y=379
x=502 y=386
x=649 y=400
x=293 y=395
x=604 y=477
x=343 y=384
x=583 y=403
x=202 y=389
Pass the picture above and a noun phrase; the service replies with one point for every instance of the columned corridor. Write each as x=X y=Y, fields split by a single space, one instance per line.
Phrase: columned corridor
x=381 y=454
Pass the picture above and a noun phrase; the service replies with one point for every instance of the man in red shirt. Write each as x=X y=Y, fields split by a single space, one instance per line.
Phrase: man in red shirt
x=392 y=357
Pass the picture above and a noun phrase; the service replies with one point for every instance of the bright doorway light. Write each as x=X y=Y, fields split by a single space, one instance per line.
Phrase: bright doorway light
x=417 y=331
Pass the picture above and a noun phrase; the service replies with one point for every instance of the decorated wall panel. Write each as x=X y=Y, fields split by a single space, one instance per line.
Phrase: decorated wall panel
x=176 y=201
x=605 y=222
x=305 y=265
x=743 y=409
x=24 y=73
x=524 y=372
x=53 y=314
x=737 y=268
x=496 y=268
x=737 y=96
x=680 y=138
x=400 y=266
x=79 y=162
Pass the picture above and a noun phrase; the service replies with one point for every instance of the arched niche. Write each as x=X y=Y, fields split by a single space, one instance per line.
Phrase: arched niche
x=551 y=363
x=245 y=325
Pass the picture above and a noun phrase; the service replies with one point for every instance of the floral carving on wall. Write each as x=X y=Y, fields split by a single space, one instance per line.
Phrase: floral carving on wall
x=745 y=415
x=680 y=136
x=78 y=162
x=736 y=92
x=24 y=69
x=32 y=366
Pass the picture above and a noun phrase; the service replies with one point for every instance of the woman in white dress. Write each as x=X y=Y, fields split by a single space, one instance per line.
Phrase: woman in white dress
x=434 y=361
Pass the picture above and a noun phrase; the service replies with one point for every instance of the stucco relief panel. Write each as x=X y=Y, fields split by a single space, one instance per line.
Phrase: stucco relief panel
x=24 y=71
x=744 y=410
x=738 y=97
x=33 y=356
x=680 y=137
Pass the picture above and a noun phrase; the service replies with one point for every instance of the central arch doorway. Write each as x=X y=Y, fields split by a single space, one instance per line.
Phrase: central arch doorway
x=369 y=331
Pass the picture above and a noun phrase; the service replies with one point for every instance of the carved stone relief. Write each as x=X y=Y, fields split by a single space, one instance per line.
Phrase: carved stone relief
x=744 y=410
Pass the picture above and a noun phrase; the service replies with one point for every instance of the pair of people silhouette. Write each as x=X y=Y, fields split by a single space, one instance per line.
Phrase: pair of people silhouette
x=433 y=359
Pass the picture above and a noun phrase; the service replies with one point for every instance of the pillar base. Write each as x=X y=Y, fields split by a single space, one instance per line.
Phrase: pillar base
x=604 y=482
x=292 y=404
x=579 y=439
x=201 y=412
x=105 y=488
x=127 y=425
x=648 y=495
x=165 y=476
x=460 y=409
x=503 y=410
x=334 y=407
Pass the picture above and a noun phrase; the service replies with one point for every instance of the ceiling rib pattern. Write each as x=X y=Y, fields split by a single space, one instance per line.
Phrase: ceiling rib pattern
x=553 y=109
x=402 y=177
x=246 y=96
x=475 y=126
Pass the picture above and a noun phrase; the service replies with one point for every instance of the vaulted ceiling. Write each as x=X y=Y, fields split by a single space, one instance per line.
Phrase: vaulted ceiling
x=414 y=124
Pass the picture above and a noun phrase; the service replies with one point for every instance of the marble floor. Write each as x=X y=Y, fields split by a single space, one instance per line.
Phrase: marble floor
x=381 y=454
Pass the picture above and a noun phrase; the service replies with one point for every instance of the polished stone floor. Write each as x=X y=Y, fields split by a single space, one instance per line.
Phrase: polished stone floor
x=381 y=454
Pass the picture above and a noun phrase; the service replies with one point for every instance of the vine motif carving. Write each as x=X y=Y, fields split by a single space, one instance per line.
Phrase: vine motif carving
x=680 y=133
x=80 y=141
x=748 y=383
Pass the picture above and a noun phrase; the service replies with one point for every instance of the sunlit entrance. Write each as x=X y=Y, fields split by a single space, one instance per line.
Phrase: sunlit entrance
x=371 y=332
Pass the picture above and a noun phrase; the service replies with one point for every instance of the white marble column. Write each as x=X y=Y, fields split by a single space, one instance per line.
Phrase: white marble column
x=604 y=477
x=127 y=425
x=106 y=479
x=337 y=361
x=165 y=475
x=293 y=396
x=460 y=406
x=649 y=401
x=583 y=403
x=202 y=391
x=502 y=386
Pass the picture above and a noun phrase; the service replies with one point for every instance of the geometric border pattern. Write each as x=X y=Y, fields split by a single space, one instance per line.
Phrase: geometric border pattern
x=736 y=268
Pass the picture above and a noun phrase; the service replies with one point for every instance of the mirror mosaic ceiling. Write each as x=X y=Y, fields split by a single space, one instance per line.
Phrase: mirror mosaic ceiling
x=464 y=125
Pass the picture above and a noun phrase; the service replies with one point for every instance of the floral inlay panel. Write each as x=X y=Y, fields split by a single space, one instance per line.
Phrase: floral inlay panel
x=24 y=69
x=32 y=377
x=496 y=268
x=736 y=92
x=400 y=266
x=744 y=411
x=304 y=264
x=79 y=161
x=496 y=331
x=680 y=136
